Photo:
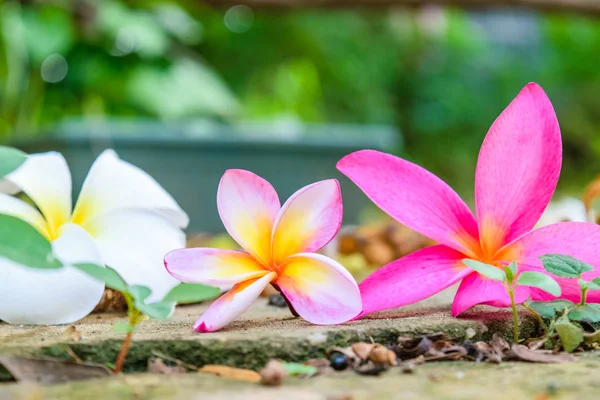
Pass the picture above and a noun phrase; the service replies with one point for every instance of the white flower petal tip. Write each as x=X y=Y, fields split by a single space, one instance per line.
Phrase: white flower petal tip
x=50 y=297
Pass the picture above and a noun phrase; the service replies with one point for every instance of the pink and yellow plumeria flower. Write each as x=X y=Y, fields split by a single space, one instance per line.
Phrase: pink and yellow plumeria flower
x=123 y=218
x=280 y=243
x=517 y=172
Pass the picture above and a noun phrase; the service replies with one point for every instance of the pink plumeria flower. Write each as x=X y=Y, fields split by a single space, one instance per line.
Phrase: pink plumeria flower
x=280 y=243
x=517 y=172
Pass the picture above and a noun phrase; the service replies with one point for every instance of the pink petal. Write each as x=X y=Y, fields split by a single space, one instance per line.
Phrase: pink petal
x=476 y=289
x=308 y=220
x=413 y=196
x=320 y=289
x=577 y=239
x=215 y=267
x=518 y=168
x=232 y=304
x=412 y=278
x=248 y=206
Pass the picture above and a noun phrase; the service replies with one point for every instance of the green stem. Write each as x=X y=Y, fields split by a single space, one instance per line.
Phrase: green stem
x=537 y=316
x=511 y=294
x=134 y=318
x=583 y=295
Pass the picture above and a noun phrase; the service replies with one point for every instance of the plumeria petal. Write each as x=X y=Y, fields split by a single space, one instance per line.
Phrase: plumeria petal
x=58 y=296
x=308 y=220
x=477 y=289
x=412 y=278
x=46 y=179
x=232 y=304
x=134 y=242
x=577 y=239
x=7 y=187
x=114 y=185
x=413 y=196
x=518 y=168
x=18 y=208
x=248 y=206
x=320 y=289
x=215 y=267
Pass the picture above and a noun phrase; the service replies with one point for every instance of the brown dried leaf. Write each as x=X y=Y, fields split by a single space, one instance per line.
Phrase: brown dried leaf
x=45 y=372
x=410 y=348
x=111 y=301
x=323 y=366
x=158 y=366
x=499 y=345
x=591 y=193
x=362 y=350
x=539 y=356
x=382 y=355
x=273 y=373
x=72 y=334
x=371 y=369
x=238 y=374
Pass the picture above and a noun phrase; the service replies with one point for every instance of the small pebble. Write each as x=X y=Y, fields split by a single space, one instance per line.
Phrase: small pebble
x=338 y=361
x=277 y=300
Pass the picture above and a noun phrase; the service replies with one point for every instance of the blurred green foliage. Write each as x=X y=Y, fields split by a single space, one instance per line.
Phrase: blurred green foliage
x=437 y=74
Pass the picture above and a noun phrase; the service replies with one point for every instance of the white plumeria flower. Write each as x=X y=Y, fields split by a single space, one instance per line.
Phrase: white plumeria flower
x=568 y=209
x=123 y=219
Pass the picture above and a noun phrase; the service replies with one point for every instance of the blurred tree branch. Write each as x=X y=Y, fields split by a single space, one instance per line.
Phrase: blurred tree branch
x=586 y=7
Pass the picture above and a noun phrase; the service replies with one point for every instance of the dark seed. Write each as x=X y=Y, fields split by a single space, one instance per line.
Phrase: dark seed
x=277 y=300
x=338 y=361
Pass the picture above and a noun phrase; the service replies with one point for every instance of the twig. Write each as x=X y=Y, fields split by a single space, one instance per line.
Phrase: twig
x=176 y=361
x=70 y=352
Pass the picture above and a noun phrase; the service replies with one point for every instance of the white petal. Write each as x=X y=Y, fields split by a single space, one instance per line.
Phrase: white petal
x=114 y=185
x=134 y=242
x=46 y=179
x=8 y=187
x=18 y=208
x=45 y=297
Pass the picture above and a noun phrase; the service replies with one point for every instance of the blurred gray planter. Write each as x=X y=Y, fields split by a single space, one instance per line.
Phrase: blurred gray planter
x=188 y=159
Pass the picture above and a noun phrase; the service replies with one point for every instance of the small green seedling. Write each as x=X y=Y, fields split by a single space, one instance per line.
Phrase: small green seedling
x=565 y=314
x=137 y=306
x=510 y=278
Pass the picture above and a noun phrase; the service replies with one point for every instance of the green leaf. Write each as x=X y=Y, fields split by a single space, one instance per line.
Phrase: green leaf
x=10 y=159
x=549 y=309
x=570 y=334
x=109 y=276
x=191 y=293
x=123 y=327
x=158 y=310
x=541 y=281
x=587 y=312
x=294 y=369
x=485 y=269
x=139 y=292
x=510 y=270
x=592 y=285
x=564 y=265
x=23 y=244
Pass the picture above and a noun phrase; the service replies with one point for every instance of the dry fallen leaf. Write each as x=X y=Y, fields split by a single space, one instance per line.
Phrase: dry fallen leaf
x=273 y=373
x=238 y=374
x=591 y=194
x=362 y=350
x=158 y=366
x=44 y=372
x=72 y=334
x=540 y=356
x=382 y=355
x=111 y=301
